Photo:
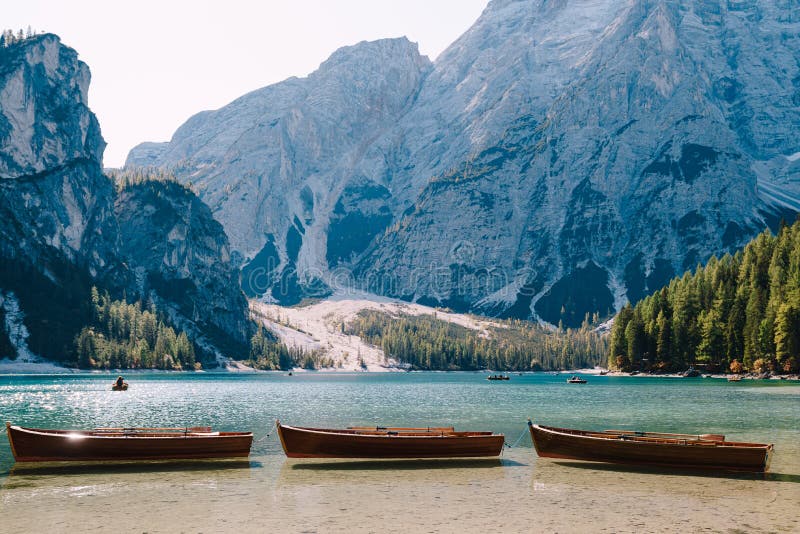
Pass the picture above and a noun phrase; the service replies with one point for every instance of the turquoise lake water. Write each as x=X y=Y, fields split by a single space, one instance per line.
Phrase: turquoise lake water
x=763 y=411
x=748 y=410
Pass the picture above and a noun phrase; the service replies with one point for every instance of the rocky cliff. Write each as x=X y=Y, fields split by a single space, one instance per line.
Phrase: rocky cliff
x=560 y=158
x=176 y=249
x=60 y=216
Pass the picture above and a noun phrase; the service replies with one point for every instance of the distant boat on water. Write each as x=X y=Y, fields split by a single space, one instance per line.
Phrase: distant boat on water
x=387 y=442
x=498 y=377
x=119 y=384
x=704 y=451
x=734 y=378
x=109 y=444
x=576 y=380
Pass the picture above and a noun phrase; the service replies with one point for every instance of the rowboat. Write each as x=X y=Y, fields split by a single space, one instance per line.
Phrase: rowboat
x=387 y=442
x=498 y=377
x=704 y=451
x=105 y=444
x=576 y=380
x=119 y=384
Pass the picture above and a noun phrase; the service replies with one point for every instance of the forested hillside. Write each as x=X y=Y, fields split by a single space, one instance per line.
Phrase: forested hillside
x=738 y=313
x=131 y=336
x=425 y=342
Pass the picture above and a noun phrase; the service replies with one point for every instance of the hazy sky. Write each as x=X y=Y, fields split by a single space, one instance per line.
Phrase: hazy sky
x=156 y=63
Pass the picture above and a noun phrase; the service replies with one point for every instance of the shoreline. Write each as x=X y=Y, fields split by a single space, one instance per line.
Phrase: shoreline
x=727 y=376
x=13 y=368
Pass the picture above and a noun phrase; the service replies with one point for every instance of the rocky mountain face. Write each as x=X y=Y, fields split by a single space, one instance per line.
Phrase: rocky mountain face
x=558 y=159
x=176 y=248
x=276 y=165
x=64 y=228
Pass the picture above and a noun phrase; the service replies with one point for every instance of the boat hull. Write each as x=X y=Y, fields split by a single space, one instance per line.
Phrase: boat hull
x=37 y=445
x=324 y=443
x=692 y=454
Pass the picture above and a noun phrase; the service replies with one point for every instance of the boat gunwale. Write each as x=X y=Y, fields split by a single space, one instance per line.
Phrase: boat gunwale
x=386 y=435
x=88 y=434
x=618 y=437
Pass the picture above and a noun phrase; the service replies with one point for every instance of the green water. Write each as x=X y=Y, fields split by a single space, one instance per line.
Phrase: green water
x=748 y=410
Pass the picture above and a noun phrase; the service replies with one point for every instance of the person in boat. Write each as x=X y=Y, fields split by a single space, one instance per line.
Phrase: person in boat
x=120 y=383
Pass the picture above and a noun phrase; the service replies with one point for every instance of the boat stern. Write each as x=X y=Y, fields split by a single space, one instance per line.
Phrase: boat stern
x=279 y=429
x=768 y=456
x=9 y=432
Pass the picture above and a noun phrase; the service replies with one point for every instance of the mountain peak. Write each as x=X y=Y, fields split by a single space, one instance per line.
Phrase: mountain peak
x=378 y=50
x=45 y=116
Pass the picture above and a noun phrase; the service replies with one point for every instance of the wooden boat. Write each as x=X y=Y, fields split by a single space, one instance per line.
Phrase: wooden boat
x=387 y=442
x=498 y=377
x=734 y=378
x=576 y=380
x=104 y=444
x=119 y=385
x=704 y=451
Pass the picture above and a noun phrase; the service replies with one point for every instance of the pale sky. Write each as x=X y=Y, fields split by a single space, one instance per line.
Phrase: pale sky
x=156 y=63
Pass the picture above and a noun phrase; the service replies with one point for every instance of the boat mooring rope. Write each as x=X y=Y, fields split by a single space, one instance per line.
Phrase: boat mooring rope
x=268 y=434
x=518 y=439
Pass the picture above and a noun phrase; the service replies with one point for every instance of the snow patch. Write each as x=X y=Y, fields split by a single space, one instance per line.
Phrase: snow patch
x=15 y=327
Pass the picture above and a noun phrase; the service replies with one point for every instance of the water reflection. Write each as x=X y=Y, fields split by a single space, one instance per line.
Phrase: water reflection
x=657 y=470
x=58 y=475
x=381 y=472
x=130 y=467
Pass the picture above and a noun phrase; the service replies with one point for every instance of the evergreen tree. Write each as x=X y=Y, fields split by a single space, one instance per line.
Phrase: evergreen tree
x=741 y=309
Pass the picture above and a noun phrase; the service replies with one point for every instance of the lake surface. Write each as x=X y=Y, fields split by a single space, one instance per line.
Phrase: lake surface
x=518 y=492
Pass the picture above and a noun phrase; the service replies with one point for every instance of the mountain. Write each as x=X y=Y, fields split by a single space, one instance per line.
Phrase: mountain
x=64 y=227
x=276 y=165
x=560 y=158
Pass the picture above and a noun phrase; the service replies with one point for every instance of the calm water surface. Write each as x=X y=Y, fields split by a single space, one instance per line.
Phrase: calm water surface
x=516 y=493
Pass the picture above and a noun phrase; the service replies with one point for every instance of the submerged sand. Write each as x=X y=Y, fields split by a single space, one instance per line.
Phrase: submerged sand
x=517 y=493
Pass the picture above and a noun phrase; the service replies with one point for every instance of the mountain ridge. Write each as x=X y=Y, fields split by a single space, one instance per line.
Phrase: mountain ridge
x=557 y=156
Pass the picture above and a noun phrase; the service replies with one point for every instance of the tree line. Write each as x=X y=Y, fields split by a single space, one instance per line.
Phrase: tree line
x=738 y=313
x=8 y=37
x=268 y=353
x=131 y=336
x=427 y=343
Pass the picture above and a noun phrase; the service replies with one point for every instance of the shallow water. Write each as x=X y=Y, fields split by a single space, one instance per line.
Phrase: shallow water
x=518 y=492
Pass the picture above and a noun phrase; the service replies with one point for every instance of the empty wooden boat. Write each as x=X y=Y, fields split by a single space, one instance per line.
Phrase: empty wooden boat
x=387 y=442
x=108 y=444
x=704 y=451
